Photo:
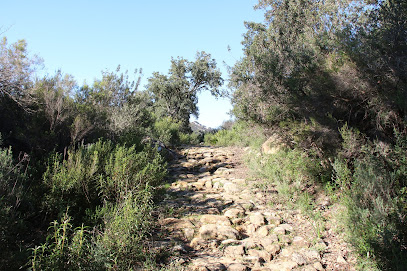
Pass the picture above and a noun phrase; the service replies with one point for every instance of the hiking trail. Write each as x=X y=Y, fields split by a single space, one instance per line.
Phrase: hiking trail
x=214 y=217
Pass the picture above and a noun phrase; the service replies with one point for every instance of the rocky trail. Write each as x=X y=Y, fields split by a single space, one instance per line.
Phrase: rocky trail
x=214 y=217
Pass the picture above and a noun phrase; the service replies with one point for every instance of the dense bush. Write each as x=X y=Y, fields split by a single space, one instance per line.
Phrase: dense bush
x=106 y=192
x=239 y=134
x=167 y=131
x=99 y=172
x=373 y=178
x=118 y=243
x=13 y=198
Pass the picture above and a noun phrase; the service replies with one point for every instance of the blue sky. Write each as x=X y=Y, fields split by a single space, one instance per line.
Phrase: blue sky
x=83 y=38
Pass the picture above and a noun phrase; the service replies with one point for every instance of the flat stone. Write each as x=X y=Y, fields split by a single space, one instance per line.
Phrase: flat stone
x=285 y=239
x=250 y=243
x=214 y=266
x=251 y=229
x=230 y=242
x=226 y=232
x=189 y=233
x=198 y=185
x=197 y=243
x=269 y=240
x=252 y=259
x=273 y=249
x=176 y=223
x=309 y=267
x=312 y=255
x=208 y=184
x=264 y=231
x=299 y=241
x=215 y=219
x=341 y=260
x=199 y=268
x=223 y=171
x=318 y=266
x=287 y=227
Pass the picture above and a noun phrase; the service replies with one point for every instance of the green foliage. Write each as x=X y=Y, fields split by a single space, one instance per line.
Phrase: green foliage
x=240 y=134
x=331 y=61
x=374 y=193
x=13 y=194
x=127 y=225
x=117 y=244
x=111 y=187
x=175 y=95
x=66 y=248
x=190 y=138
x=100 y=172
x=289 y=169
x=167 y=131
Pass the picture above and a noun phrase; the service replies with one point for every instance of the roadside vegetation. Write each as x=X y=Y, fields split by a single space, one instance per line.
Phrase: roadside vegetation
x=325 y=80
x=80 y=165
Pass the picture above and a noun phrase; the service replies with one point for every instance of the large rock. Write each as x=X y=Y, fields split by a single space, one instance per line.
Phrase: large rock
x=274 y=144
x=266 y=256
x=226 y=232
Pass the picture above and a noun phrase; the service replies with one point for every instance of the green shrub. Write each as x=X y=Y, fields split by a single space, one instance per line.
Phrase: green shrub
x=13 y=194
x=122 y=244
x=119 y=242
x=240 y=134
x=289 y=170
x=66 y=248
x=167 y=131
x=190 y=139
x=374 y=183
x=99 y=172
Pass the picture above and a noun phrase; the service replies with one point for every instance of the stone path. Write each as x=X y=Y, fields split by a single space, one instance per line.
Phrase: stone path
x=213 y=218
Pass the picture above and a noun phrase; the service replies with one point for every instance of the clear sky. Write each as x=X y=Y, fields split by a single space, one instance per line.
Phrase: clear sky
x=84 y=37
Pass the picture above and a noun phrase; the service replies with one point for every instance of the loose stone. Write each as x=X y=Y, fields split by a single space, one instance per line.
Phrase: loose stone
x=257 y=219
x=279 y=230
x=215 y=219
x=237 y=267
x=234 y=251
x=298 y=258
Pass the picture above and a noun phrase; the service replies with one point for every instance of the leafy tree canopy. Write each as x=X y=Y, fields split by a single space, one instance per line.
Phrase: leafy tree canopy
x=175 y=94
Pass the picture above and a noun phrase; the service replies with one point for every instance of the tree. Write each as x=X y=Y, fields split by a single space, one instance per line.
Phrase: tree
x=16 y=70
x=53 y=96
x=175 y=94
x=108 y=107
x=313 y=59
